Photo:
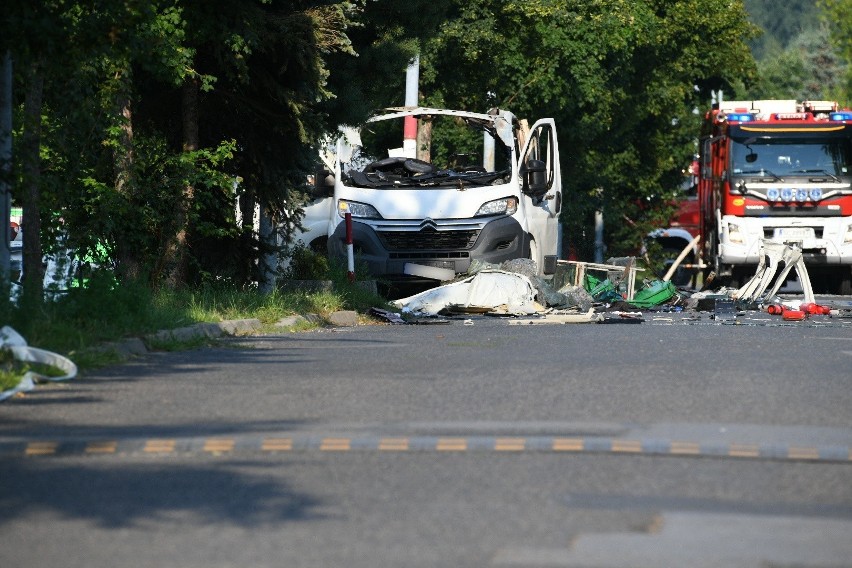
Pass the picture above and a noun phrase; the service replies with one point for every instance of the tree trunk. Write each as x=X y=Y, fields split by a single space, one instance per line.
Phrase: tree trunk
x=5 y=168
x=124 y=154
x=424 y=140
x=178 y=252
x=31 y=169
x=126 y=258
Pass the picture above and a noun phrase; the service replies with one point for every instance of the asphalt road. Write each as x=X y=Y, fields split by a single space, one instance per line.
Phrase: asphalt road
x=667 y=443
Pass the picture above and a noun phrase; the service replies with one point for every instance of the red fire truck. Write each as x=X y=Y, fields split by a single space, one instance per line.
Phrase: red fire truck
x=779 y=170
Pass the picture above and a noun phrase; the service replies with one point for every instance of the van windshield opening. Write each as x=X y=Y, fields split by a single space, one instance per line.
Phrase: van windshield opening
x=451 y=152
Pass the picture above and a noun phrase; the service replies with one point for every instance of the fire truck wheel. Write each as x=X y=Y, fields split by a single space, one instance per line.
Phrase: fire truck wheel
x=844 y=287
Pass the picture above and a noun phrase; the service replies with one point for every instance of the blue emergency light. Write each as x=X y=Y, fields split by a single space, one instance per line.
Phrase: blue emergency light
x=740 y=117
x=842 y=115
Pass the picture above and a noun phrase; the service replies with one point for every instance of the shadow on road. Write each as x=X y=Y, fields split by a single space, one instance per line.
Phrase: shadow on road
x=119 y=495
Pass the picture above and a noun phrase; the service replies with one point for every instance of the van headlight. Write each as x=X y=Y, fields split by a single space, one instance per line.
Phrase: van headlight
x=505 y=206
x=735 y=235
x=362 y=210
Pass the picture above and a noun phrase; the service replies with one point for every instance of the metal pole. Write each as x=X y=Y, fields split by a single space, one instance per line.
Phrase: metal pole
x=599 y=229
x=268 y=260
x=412 y=80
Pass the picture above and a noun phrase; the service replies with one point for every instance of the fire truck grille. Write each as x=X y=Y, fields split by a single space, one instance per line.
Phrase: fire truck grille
x=428 y=239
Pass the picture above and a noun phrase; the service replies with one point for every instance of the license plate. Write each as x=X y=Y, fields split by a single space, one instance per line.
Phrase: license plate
x=794 y=233
x=437 y=263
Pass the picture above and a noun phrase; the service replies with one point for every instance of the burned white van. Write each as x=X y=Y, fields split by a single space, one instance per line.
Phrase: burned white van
x=431 y=190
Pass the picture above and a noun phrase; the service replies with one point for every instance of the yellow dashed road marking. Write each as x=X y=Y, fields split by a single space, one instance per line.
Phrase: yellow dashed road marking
x=159 y=446
x=510 y=444
x=803 y=453
x=41 y=448
x=743 y=451
x=277 y=444
x=451 y=445
x=685 y=448
x=428 y=443
x=568 y=445
x=394 y=444
x=633 y=446
x=218 y=445
x=336 y=444
x=102 y=447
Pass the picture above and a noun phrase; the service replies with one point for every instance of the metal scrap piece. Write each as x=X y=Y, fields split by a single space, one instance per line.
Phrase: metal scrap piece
x=776 y=262
x=588 y=317
x=623 y=317
x=725 y=310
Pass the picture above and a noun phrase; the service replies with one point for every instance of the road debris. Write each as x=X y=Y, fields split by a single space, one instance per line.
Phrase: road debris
x=776 y=262
x=560 y=318
x=623 y=317
x=725 y=310
x=487 y=291
x=12 y=341
x=391 y=317
x=513 y=290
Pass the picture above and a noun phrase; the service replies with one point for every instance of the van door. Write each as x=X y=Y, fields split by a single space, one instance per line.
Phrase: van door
x=541 y=192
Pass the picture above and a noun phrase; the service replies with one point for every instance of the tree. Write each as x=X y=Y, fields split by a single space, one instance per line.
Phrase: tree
x=619 y=77
x=809 y=69
x=385 y=36
x=152 y=111
x=781 y=22
x=838 y=15
x=76 y=109
x=36 y=34
x=267 y=59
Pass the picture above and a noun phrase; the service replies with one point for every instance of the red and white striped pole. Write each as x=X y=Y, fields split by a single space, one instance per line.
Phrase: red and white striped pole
x=350 y=249
x=409 y=129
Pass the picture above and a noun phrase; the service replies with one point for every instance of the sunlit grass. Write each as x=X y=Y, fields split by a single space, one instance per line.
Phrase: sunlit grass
x=106 y=311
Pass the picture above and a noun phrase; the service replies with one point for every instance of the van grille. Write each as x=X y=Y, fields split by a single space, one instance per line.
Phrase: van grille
x=428 y=239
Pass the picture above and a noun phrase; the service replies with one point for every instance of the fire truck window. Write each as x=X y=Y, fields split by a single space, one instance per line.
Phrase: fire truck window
x=790 y=157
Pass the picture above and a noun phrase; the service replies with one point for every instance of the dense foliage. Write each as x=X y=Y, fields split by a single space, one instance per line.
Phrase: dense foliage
x=838 y=15
x=796 y=56
x=621 y=78
x=781 y=22
x=157 y=116
x=141 y=124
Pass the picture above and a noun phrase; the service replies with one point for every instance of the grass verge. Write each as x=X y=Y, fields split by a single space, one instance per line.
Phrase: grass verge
x=105 y=311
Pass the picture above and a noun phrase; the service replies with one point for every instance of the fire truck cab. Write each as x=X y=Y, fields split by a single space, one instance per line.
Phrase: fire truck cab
x=779 y=170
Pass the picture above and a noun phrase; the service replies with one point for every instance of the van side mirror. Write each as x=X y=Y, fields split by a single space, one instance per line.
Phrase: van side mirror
x=323 y=183
x=535 y=178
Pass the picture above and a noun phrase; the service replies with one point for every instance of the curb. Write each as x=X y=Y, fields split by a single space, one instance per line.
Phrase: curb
x=139 y=346
x=136 y=346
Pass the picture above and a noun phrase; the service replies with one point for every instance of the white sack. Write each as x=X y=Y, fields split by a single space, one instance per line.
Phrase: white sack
x=494 y=290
